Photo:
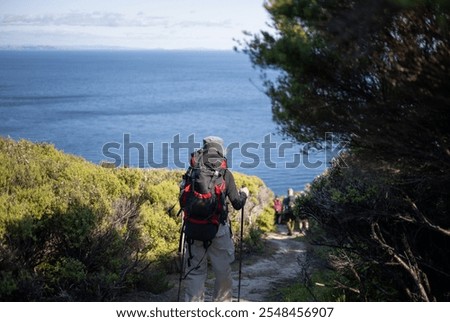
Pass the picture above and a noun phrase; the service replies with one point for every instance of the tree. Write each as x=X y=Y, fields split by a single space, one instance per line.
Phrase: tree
x=376 y=74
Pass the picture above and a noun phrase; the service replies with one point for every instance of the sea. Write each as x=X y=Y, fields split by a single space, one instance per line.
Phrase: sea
x=151 y=109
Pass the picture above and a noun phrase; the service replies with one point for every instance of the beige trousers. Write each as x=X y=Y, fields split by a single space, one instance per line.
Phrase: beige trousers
x=220 y=255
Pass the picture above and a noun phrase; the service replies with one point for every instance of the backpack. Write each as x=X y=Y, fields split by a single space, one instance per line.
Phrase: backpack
x=202 y=197
x=289 y=204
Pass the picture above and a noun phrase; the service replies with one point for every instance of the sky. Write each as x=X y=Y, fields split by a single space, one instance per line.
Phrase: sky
x=139 y=24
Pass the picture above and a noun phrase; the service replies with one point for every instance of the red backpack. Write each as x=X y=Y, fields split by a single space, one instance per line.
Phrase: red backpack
x=202 y=198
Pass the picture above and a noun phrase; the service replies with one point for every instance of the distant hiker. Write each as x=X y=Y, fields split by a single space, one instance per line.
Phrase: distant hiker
x=207 y=184
x=288 y=211
x=278 y=208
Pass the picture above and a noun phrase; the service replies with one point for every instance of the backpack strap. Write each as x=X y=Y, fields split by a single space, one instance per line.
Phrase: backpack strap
x=213 y=180
x=206 y=244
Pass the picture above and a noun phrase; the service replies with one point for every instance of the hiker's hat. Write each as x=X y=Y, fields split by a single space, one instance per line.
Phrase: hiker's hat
x=214 y=142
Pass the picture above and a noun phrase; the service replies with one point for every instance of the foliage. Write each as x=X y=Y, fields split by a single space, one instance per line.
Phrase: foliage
x=353 y=67
x=70 y=230
x=258 y=214
x=374 y=73
x=74 y=231
x=317 y=291
x=253 y=242
x=253 y=184
x=266 y=220
x=380 y=250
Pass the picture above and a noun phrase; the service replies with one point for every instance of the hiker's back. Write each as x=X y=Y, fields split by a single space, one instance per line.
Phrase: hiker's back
x=203 y=196
x=289 y=204
x=208 y=183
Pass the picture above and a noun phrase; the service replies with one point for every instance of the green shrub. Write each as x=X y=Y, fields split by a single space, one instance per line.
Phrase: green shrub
x=266 y=220
x=253 y=240
x=253 y=184
x=72 y=230
x=321 y=288
x=159 y=232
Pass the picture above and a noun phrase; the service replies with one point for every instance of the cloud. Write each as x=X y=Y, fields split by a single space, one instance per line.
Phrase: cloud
x=208 y=24
x=104 y=19
x=96 y=19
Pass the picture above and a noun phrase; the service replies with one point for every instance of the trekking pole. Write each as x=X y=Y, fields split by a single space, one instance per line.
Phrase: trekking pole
x=181 y=249
x=241 y=254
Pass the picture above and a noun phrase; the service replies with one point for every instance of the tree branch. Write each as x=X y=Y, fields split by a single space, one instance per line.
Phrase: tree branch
x=414 y=272
x=425 y=220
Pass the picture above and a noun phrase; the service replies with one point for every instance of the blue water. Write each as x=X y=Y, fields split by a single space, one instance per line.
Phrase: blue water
x=132 y=107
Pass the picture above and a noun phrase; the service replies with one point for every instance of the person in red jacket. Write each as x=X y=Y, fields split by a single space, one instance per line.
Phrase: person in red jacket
x=278 y=207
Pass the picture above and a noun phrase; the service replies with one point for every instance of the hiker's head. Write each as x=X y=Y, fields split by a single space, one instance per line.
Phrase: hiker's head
x=214 y=144
x=290 y=192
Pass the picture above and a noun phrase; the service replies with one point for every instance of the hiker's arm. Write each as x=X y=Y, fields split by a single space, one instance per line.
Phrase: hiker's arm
x=236 y=197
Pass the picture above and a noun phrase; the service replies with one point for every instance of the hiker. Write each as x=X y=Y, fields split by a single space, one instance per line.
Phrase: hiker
x=278 y=208
x=288 y=211
x=210 y=238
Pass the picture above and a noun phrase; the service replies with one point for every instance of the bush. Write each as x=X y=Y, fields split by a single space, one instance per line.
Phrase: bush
x=71 y=230
x=385 y=246
x=74 y=231
x=266 y=220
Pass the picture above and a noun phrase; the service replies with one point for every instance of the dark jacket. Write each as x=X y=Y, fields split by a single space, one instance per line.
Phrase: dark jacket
x=288 y=208
x=236 y=197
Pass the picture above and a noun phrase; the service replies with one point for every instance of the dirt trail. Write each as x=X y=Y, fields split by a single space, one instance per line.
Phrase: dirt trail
x=267 y=274
x=261 y=275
